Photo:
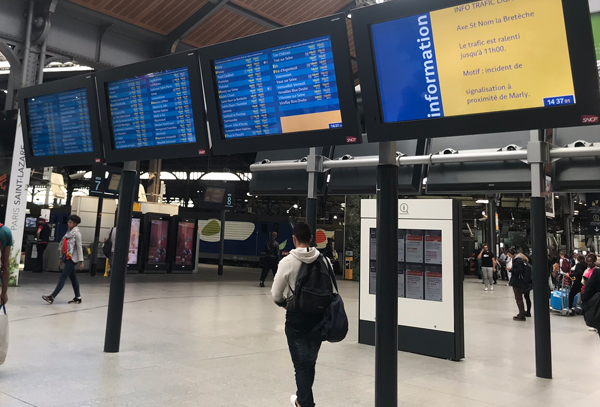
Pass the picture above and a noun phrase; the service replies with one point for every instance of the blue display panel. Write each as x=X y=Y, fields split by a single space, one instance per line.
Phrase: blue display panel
x=152 y=110
x=285 y=89
x=60 y=123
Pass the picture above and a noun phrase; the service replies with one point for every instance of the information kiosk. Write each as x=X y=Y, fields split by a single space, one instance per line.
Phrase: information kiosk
x=286 y=88
x=60 y=123
x=430 y=280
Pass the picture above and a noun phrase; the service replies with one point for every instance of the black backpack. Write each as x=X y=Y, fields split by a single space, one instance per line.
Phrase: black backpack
x=314 y=289
x=107 y=248
x=527 y=275
x=334 y=325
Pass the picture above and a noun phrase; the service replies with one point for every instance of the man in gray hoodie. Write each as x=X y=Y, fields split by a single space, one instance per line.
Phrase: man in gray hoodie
x=304 y=347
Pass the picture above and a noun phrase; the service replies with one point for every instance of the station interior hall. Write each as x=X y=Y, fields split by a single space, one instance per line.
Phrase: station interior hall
x=167 y=167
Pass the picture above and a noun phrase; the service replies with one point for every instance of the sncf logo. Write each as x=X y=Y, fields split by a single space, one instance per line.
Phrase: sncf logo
x=351 y=139
x=201 y=152
x=587 y=119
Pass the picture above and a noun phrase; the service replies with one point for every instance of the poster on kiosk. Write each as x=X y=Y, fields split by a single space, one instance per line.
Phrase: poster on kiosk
x=184 y=237
x=156 y=238
x=134 y=260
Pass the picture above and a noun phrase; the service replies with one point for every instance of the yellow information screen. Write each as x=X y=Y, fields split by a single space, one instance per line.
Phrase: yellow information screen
x=481 y=57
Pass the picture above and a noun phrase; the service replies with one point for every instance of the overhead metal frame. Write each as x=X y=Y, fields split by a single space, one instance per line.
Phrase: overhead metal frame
x=175 y=37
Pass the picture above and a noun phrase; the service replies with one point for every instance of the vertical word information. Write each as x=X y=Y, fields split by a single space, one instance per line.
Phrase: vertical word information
x=60 y=123
x=152 y=110
x=263 y=92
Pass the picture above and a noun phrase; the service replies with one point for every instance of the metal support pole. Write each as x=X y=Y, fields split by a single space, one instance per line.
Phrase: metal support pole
x=94 y=255
x=116 y=297
x=386 y=307
x=28 y=28
x=311 y=200
x=222 y=246
x=569 y=224
x=537 y=157
x=492 y=225
x=40 y=77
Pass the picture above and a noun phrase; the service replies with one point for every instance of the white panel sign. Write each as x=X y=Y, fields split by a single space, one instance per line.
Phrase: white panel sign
x=426 y=276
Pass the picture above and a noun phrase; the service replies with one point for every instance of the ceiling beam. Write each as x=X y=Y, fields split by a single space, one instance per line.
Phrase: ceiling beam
x=250 y=15
x=347 y=7
x=194 y=21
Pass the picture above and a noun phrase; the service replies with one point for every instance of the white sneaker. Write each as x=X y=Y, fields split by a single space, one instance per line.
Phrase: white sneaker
x=293 y=400
x=492 y=288
x=485 y=289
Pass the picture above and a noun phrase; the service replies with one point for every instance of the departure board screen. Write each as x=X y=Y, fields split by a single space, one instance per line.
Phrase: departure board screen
x=59 y=123
x=286 y=89
x=152 y=110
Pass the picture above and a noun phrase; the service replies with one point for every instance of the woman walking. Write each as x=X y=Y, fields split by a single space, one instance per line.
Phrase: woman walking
x=71 y=255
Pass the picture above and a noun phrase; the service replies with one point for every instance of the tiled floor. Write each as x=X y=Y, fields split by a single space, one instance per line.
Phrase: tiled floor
x=207 y=341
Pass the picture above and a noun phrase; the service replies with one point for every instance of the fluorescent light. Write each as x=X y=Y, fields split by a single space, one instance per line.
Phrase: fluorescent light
x=483 y=201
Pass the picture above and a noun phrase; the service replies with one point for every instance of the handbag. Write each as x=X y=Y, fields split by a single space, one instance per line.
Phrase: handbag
x=3 y=334
x=107 y=248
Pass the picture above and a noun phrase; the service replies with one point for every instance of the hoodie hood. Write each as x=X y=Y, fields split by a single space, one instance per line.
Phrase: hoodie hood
x=304 y=255
x=523 y=257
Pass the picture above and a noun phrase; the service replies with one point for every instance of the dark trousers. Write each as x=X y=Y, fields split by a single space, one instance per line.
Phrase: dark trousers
x=576 y=289
x=39 y=264
x=304 y=350
x=504 y=273
x=67 y=271
x=269 y=264
x=527 y=295
x=519 y=299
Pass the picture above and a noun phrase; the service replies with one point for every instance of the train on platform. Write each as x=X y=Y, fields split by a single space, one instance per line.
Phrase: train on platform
x=246 y=236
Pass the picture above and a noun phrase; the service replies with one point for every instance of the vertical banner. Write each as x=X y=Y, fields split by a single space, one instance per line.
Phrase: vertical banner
x=17 y=202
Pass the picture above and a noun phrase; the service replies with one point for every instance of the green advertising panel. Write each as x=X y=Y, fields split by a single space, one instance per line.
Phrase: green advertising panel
x=596 y=29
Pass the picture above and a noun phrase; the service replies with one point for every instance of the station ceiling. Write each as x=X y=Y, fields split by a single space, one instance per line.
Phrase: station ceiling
x=221 y=20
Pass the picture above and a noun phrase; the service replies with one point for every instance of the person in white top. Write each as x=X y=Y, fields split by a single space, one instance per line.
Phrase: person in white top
x=304 y=347
x=510 y=255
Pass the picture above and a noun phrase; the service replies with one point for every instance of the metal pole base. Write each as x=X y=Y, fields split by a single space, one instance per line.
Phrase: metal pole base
x=386 y=307
x=116 y=298
x=543 y=345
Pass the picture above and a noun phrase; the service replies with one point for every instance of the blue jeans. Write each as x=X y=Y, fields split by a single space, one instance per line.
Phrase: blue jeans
x=67 y=271
x=304 y=350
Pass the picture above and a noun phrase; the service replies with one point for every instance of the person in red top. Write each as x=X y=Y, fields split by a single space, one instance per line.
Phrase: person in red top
x=43 y=237
x=71 y=255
